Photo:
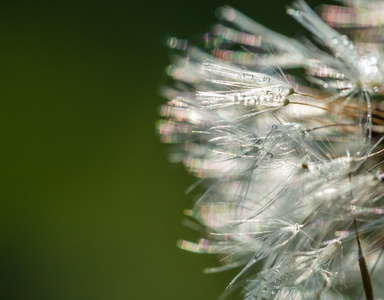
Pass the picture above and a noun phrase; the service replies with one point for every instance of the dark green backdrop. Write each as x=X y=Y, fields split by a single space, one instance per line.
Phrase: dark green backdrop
x=90 y=207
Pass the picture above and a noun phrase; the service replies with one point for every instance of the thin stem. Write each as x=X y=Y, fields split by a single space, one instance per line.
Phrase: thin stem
x=365 y=276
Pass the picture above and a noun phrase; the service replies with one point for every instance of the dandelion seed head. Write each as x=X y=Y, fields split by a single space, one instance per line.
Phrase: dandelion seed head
x=288 y=168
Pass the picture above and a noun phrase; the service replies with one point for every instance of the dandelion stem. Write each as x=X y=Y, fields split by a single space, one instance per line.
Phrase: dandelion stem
x=367 y=284
x=376 y=165
x=311 y=105
x=329 y=125
x=374 y=111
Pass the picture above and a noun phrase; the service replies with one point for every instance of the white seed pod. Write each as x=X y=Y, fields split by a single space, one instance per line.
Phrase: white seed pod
x=305 y=272
x=338 y=167
x=234 y=86
x=287 y=52
x=355 y=14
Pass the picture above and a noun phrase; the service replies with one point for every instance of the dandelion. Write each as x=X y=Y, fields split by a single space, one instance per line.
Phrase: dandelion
x=290 y=166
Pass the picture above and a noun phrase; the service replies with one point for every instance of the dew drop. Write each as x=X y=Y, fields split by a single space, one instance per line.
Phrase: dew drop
x=266 y=79
x=172 y=42
x=248 y=76
x=373 y=60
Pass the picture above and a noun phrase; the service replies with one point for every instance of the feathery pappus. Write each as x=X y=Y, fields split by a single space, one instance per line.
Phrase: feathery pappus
x=290 y=165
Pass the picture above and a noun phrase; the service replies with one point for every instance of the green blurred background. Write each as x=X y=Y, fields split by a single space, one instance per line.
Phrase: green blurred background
x=90 y=207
